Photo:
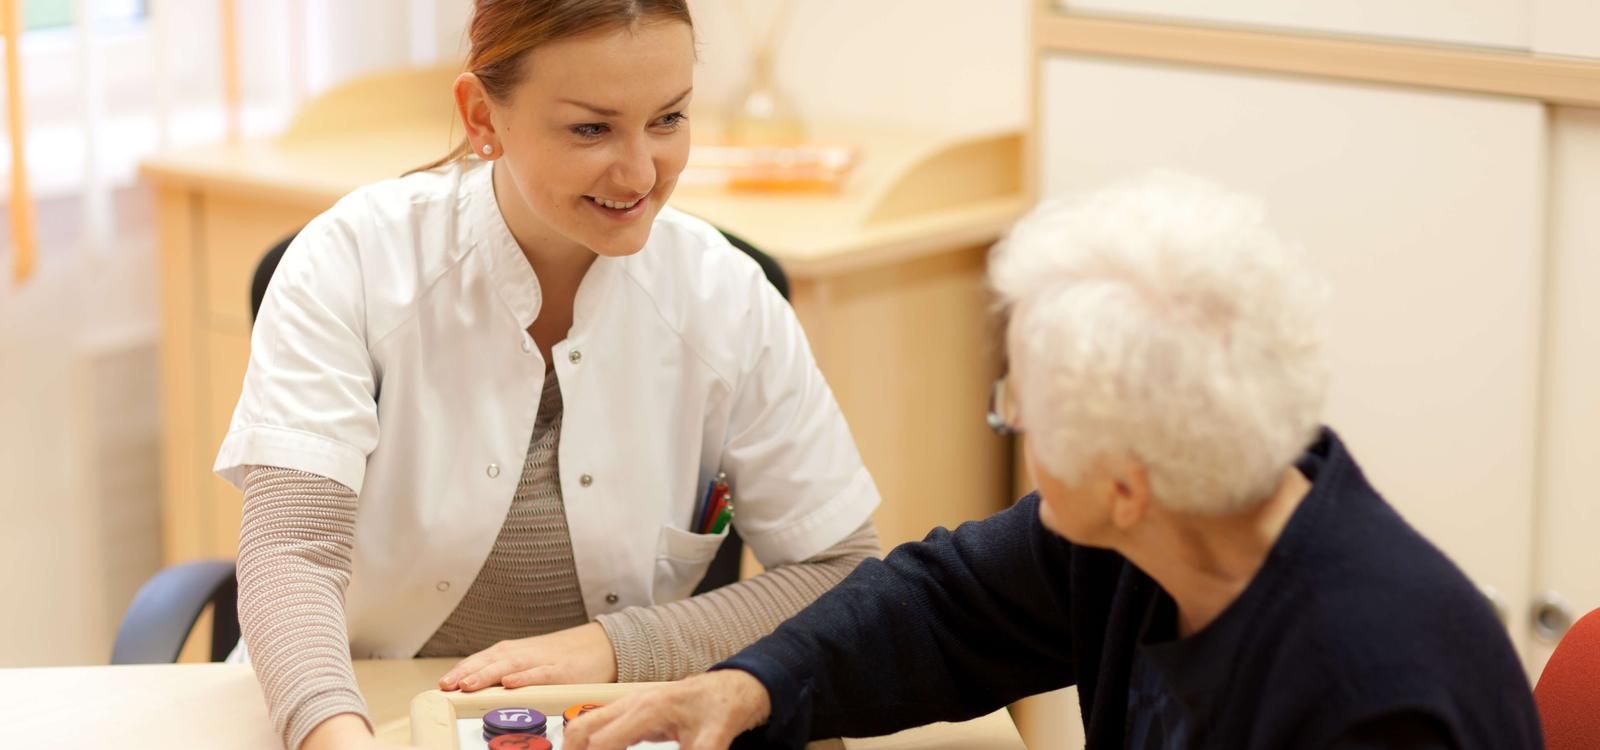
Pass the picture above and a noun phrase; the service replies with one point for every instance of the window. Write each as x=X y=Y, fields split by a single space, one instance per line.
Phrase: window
x=38 y=15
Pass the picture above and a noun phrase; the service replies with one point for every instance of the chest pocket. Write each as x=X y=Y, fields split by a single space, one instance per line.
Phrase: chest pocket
x=682 y=559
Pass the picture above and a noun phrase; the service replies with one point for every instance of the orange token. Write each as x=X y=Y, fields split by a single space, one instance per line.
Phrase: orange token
x=580 y=709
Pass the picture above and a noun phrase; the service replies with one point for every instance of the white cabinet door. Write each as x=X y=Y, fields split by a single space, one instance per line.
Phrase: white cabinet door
x=1488 y=23
x=1567 y=555
x=1566 y=27
x=1425 y=211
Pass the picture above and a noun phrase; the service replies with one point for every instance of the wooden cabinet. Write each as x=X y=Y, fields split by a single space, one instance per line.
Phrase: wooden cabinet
x=886 y=276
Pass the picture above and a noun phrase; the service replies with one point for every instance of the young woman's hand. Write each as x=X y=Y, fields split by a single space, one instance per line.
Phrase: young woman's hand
x=704 y=712
x=580 y=655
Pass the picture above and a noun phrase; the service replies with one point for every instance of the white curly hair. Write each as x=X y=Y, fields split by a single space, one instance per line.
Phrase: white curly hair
x=1163 y=320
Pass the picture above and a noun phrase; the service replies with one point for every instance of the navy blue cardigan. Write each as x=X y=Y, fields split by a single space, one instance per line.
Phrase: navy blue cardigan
x=1353 y=618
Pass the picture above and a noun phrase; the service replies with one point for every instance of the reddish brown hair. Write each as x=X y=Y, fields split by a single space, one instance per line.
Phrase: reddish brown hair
x=503 y=32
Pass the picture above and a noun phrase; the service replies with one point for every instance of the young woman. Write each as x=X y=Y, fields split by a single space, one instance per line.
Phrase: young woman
x=485 y=400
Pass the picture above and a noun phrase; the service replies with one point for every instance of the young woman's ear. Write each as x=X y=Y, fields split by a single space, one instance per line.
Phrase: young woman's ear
x=472 y=106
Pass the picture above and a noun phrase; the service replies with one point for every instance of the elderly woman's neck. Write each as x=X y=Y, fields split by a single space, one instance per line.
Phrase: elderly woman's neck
x=1205 y=562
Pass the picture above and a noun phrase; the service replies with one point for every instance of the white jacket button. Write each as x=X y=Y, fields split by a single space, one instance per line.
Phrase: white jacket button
x=493 y=470
x=586 y=480
x=611 y=598
x=574 y=356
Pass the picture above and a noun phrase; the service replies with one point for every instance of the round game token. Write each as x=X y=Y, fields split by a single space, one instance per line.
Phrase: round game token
x=519 y=742
x=575 y=711
x=513 y=720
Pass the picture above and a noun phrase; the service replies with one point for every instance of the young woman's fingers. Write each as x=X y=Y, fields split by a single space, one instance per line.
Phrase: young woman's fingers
x=470 y=665
x=541 y=675
x=489 y=674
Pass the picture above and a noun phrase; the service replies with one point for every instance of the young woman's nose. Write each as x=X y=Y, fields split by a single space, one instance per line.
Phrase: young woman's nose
x=634 y=169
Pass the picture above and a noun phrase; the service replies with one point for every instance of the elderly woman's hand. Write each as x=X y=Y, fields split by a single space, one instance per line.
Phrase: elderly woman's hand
x=704 y=712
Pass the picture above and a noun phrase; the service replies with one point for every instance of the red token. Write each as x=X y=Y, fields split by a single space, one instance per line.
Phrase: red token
x=519 y=742
x=574 y=712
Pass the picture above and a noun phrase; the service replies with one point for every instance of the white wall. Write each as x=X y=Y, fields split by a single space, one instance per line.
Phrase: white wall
x=940 y=64
x=1490 y=23
x=79 y=522
x=1548 y=27
x=1566 y=27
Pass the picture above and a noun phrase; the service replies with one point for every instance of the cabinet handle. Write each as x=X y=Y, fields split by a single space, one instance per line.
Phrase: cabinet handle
x=1496 y=602
x=1551 y=617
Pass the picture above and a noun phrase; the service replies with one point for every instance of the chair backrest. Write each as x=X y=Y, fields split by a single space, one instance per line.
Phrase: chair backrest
x=159 y=619
x=725 y=566
x=264 y=271
x=1568 y=693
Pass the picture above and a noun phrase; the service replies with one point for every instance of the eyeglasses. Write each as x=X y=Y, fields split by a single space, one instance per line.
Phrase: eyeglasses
x=1002 y=409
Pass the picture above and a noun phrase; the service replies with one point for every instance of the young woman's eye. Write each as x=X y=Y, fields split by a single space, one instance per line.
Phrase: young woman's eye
x=672 y=121
x=591 y=130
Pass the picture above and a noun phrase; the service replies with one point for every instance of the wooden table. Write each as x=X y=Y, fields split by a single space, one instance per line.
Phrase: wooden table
x=219 y=707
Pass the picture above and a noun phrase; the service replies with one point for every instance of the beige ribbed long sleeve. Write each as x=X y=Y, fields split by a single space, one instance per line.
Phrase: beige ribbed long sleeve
x=674 y=640
x=294 y=567
x=295 y=561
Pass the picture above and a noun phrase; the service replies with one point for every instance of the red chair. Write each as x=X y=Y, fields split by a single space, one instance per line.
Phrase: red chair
x=1568 y=693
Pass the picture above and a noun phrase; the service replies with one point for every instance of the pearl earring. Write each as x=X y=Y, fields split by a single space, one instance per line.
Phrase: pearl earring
x=487 y=149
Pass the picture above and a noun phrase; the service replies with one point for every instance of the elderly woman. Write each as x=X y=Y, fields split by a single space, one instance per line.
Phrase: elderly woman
x=1202 y=559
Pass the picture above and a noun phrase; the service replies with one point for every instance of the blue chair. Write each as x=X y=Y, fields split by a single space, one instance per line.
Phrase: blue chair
x=165 y=610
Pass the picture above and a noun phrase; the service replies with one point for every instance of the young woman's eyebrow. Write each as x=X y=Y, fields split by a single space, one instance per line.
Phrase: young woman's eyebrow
x=603 y=112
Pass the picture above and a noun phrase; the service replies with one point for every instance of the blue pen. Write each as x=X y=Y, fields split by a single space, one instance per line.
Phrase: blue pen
x=698 y=522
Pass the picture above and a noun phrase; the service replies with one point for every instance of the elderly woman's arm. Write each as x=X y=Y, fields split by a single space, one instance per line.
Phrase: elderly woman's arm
x=946 y=629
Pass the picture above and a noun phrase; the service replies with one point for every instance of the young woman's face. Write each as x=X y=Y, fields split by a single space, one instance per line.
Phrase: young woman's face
x=595 y=135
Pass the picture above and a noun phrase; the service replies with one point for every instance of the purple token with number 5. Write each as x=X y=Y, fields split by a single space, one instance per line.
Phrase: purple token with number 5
x=508 y=720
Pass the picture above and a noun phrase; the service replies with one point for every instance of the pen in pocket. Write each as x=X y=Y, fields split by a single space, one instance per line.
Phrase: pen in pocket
x=724 y=518
x=717 y=500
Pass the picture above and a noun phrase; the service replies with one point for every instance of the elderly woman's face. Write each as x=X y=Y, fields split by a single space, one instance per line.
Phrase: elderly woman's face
x=1079 y=511
x=1066 y=509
